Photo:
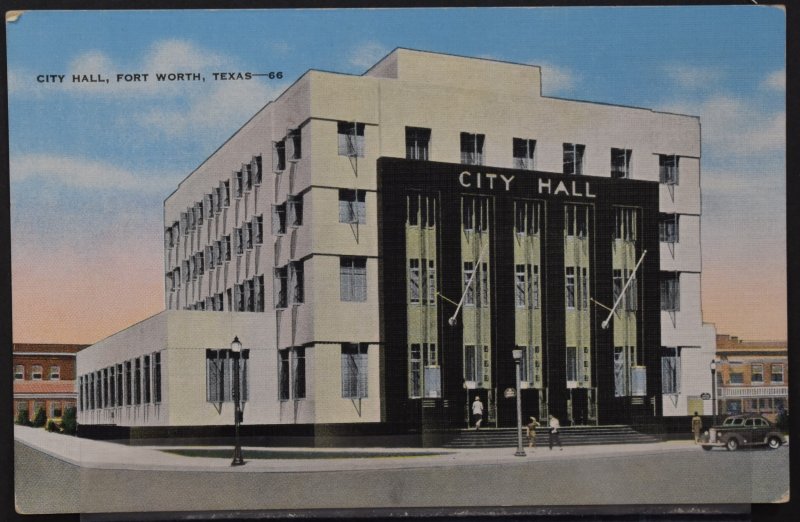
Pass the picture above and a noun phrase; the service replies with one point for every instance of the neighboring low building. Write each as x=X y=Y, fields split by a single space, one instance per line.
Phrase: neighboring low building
x=44 y=377
x=752 y=377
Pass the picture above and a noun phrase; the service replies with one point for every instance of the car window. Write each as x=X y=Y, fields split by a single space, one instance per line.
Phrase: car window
x=761 y=422
x=737 y=422
x=728 y=421
x=749 y=422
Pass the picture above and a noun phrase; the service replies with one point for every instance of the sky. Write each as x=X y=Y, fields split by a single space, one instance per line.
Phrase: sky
x=92 y=163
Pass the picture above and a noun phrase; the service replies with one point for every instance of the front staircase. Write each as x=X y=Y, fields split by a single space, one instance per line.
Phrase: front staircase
x=570 y=436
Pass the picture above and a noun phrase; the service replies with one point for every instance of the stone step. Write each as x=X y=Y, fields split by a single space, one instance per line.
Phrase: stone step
x=570 y=436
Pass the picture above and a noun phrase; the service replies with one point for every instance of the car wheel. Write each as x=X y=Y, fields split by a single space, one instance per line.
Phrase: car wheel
x=774 y=443
x=707 y=448
x=732 y=444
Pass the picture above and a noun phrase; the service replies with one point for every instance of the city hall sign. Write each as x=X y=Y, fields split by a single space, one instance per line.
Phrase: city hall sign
x=546 y=186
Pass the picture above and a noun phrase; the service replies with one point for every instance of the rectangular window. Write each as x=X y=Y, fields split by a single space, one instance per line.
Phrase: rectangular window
x=526 y=217
x=522 y=278
x=256 y=170
x=473 y=363
x=259 y=294
x=226 y=247
x=238 y=241
x=220 y=375
x=757 y=373
x=225 y=188
x=572 y=363
x=625 y=223
x=137 y=380
x=19 y=372
x=352 y=206
x=294 y=210
x=296 y=281
x=120 y=386
x=469 y=283
x=670 y=291
x=417 y=143
x=279 y=287
x=430 y=291
x=198 y=213
x=576 y=220
x=526 y=370
x=621 y=163
x=668 y=169
x=238 y=184
x=421 y=211
x=472 y=148
x=55 y=409
x=248 y=177
x=294 y=150
x=668 y=228
x=298 y=373
x=157 y=377
x=258 y=229
x=278 y=156
x=279 y=219
x=354 y=370
x=736 y=377
x=415 y=370
x=209 y=257
x=776 y=371
x=570 y=286
x=413 y=281
x=670 y=370
x=112 y=386
x=248 y=235
x=353 y=278
x=36 y=372
x=128 y=384
x=573 y=158
x=146 y=379
x=524 y=153
x=351 y=139
x=55 y=373
x=283 y=375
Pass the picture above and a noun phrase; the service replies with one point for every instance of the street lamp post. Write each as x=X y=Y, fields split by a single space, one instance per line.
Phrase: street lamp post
x=713 y=367
x=517 y=354
x=236 y=348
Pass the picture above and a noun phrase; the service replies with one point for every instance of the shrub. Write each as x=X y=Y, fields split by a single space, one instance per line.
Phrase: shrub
x=52 y=426
x=69 y=421
x=40 y=418
x=22 y=418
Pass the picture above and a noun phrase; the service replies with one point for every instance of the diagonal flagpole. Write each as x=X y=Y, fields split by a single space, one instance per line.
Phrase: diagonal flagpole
x=452 y=320
x=604 y=324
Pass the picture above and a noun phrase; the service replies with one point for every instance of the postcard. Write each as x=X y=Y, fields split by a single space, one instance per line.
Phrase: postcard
x=398 y=259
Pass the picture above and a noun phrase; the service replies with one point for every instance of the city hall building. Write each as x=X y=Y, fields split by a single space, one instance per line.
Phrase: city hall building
x=381 y=243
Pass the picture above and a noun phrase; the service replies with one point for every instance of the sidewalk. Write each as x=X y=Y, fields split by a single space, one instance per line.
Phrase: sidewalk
x=107 y=455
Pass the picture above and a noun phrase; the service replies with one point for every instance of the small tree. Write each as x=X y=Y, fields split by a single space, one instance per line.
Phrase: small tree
x=52 y=426
x=69 y=422
x=40 y=419
x=22 y=418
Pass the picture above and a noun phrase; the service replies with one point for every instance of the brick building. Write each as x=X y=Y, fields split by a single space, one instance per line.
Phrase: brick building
x=44 y=377
x=752 y=376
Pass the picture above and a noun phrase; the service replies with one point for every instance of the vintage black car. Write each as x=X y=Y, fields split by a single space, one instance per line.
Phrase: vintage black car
x=742 y=430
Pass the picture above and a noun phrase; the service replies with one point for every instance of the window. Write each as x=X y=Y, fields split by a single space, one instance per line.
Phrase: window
x=294 y=210
x=279 y=219
x=572 y=363
x=472 y=148
x=573 y=158
x=279 y=156
x=156 y=377
x=670 y=291
x=670 y=370
x=112 y=387
x=757 y=373
x=279 y=287
x=238 y=187
x=668 y=228
x=169 y=241
x=294 y=149
x=524 y=153
x=668 y=169
x=238 y=295
x=576 y=220
x=137 y=381
x=248 y=235
x=283 y=375
x=430 y=278
x=354 y=370
x=526 y=217
x=120 y=385
x=630 y=299
x=423 y=358
x=259 y=294
x=146 y=379
x=474 y=213
x=226 y=247
x=298 y=357
x=421 y=211
x=238 y=241
x=105 y=388
x=527 y=367
x=292 y=374
x=776 y=371
x=55 y=373
x=220 y=375
x=583 y=288
x=352 y=206
x=736 y=376
x=417 y=143
x=473 y=363
x=248 y=177
x=415 y=370
x=526 y=286
x=353 y=278
x=36 y=372
x=198 y=213
x=19 y=372
x=625 y=223
x=200 y=263
x=413 y=281
x=128 y=384
x=225 y=188
x=621 y=163
x=624 y=358
x=469 y=286
x=570 y=286
x=296 y=283
x=209 y=257
x=258 y=229
x=351 y=139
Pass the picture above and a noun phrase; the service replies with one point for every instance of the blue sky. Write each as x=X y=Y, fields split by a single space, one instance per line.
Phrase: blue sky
x=91 y=165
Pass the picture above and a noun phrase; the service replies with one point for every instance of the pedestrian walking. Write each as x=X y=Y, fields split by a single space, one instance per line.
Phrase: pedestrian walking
x=532 y=425
x=554 y=435
x=477 y=412
x=697 y=425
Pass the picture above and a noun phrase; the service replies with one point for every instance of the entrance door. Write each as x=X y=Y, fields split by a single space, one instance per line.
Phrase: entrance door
x=578 y=414
x=485 y=400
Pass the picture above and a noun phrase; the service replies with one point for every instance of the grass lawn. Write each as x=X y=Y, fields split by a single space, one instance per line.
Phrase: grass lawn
x=269 y=454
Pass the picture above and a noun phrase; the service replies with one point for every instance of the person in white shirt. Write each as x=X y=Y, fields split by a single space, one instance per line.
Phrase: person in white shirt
x=477 y=412
x=554 y=435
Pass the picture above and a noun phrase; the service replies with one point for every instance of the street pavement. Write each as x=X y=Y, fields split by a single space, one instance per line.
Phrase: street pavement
x=55 y=473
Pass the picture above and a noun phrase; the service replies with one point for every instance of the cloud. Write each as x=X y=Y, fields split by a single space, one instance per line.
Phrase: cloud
x=367 y=55
x=692 y=77
x=555 y=78
x=775 y=81
x=84 y=173
x=733 y=127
